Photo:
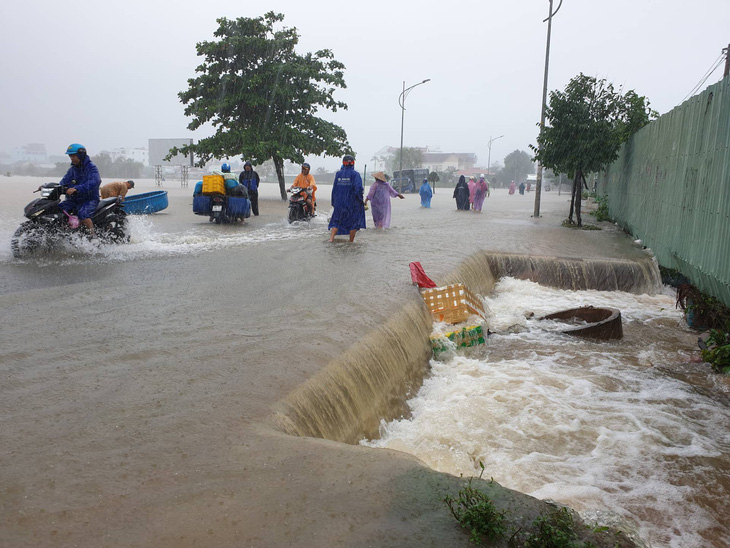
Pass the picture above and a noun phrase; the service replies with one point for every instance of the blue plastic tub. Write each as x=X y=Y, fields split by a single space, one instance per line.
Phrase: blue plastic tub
x=239 y=207
x=201 y=205
x=147 y=202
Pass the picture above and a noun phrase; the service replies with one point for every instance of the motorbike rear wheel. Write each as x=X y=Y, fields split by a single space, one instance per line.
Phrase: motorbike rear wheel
x=26 y=240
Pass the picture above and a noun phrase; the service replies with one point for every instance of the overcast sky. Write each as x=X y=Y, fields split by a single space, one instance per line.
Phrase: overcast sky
x=107 y=74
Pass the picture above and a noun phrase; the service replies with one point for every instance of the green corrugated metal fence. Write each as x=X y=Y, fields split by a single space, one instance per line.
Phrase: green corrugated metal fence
x=670 y=187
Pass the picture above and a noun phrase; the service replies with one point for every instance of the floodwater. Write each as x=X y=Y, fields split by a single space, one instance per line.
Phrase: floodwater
x=629 y=425
x=134 y=376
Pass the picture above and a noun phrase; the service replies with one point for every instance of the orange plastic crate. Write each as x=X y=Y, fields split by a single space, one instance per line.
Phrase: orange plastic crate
x=452 y=303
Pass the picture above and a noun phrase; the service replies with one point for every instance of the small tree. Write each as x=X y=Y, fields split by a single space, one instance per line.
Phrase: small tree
x=433 y=178
x=587 y=123
x=262 y=96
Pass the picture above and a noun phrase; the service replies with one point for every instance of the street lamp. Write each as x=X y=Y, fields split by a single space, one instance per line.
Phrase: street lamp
x=489 y=157
x=402 y=104
x=538 y=183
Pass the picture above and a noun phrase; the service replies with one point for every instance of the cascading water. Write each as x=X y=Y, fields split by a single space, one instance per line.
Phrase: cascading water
x=629 y=426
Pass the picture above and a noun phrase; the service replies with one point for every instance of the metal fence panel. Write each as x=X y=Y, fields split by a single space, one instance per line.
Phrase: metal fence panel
x=670 y=187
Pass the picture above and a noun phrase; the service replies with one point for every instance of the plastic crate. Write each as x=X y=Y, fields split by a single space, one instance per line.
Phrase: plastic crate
x=452 y=303
x=239 y=207
x=466 y=336
x=214 y=184
x=201 y=205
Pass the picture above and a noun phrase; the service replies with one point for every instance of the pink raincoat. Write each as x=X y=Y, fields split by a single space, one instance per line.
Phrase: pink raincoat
x=472 y=190
x=480 y=193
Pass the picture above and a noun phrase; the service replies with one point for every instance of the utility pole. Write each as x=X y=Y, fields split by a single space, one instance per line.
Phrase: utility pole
x=538 y=183
x=489 y=157
x=727 y=61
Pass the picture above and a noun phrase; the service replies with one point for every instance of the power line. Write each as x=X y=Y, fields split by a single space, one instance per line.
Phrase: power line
x=709 y=72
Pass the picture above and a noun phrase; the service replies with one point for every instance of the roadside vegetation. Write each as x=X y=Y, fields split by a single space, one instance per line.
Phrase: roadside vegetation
x=487 y=525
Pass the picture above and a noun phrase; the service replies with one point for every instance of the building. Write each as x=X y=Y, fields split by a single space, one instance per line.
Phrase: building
x=443 y=161
x=434 y=160
x=34 y=153
x=138 y=154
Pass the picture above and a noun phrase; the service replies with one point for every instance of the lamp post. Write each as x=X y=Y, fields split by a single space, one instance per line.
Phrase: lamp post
x=489 y=157
x=538 y=183
x=402 y=104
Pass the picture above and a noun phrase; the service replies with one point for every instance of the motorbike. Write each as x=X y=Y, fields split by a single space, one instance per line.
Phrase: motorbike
x=298 y=210
x=47 y=222
x=220 y=208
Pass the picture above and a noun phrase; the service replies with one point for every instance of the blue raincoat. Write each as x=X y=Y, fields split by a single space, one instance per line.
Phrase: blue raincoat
x=86 y=180
x=426 y=194
x=348 y=209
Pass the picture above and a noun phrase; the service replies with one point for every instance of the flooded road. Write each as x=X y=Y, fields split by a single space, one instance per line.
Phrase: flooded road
x=136 y=378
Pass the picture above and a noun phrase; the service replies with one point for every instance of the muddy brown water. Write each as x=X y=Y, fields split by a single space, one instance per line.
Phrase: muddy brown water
x=147 y=388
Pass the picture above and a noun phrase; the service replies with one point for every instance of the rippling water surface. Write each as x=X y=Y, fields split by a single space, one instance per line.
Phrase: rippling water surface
x=130 y=374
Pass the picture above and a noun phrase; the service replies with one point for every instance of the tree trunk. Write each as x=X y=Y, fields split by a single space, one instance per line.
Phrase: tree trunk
x=279 y=167
x=579 y=181
x=572 y=200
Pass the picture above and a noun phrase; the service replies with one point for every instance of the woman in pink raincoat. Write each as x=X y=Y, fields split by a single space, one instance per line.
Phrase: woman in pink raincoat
x=511 y=188
x=482 y=189
x=472 y=190
x=380 y=194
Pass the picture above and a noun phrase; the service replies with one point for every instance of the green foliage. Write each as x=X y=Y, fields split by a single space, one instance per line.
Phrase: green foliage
x=707 y=311
x=262 y=97
x=433 y=177
x=568 y=223
x=587 y=123
x=517 y=166
x=120 y=167
x=412 y=159
x=554 y=531
x=601 y=212
x=717 y=353
x=476 y=513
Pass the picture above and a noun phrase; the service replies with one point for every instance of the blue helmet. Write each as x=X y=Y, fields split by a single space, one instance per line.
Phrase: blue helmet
x=225 y=168
x=348 y=160
x=75 y=148
x=305 y=164
x=78 y=150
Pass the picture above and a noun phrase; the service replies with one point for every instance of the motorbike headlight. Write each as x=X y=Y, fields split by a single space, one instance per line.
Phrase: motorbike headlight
x=36 y=213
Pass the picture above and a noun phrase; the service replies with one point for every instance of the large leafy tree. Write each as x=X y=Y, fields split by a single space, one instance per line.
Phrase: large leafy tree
x=586 y=125
x=412 y=159
x=517 y=165
x=262 y=97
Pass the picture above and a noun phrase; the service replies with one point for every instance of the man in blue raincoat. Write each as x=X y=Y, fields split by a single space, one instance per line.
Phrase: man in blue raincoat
x=348 y=208
x=82 y=180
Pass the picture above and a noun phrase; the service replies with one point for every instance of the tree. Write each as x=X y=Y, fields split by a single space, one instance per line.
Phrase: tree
x=433 y=178
x=412 y=159
x=586 y=125
x=262 y=96
x=119 y=167
x=517 y=166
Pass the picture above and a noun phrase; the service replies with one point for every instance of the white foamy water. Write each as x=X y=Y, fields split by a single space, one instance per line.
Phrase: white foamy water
x=597 y=426
x=150 y=239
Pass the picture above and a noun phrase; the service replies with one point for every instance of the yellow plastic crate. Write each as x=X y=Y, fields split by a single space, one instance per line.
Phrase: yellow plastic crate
x=214 y=184
x=452 y=303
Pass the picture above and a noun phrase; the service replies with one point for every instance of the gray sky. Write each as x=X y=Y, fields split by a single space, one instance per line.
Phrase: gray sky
x=107 y=74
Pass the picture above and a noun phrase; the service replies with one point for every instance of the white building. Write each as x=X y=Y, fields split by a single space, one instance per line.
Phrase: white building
x=139 y=154
x=34 y=153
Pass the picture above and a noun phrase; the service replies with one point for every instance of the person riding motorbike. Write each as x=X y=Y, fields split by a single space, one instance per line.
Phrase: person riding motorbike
x=304 y=181
x=82 y=180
